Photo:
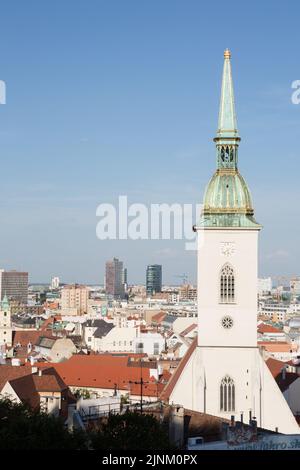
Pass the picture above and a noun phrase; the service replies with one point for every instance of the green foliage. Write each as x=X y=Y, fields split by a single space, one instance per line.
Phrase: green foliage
x=22 y=428
x=130 y=431
x=82 y=393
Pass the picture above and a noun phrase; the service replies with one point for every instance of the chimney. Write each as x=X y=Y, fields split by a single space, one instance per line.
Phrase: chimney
x=241 y=417
x=232 y=422
x=40 y=372
x=283 y=373
x=250 y=416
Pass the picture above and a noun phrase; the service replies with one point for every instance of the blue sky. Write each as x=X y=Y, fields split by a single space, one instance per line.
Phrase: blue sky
x=121 y=97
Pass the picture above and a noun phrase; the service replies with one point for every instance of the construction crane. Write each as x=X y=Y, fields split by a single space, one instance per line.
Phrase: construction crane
x=184 y=278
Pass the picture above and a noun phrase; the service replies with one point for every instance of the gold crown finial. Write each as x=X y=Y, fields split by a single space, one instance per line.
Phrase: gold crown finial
x=227 y=54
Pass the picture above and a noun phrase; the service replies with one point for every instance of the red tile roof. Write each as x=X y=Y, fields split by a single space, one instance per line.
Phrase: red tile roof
x=8 y=372
x=158 y=317
x=29 y=386
x=277 y=346
x=25 y=389
x=275 y=366
x=264 y=328
x=104 y=371
x=25 y=337
x=188 y=329
x=49 y=381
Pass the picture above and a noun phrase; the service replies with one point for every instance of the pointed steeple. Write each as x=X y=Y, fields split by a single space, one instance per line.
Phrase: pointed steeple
x=227 y=126
x=5 y=303
x=227 y=199
x=227 y=138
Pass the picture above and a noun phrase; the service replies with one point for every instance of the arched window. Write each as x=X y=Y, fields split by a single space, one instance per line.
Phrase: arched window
x=227 y=394
x=227 y=285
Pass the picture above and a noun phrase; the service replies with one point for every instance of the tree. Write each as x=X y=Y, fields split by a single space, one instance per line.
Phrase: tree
x=21 y=428
x=130 y=431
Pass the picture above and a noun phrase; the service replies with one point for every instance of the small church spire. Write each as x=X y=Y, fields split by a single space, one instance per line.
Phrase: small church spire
x=227 y=138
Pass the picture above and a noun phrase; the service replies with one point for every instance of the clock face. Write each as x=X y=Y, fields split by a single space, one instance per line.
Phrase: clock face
x=227 y=248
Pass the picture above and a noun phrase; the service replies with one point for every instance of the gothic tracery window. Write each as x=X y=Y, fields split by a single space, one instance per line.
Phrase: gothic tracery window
x=227 y=285
x=227 y=394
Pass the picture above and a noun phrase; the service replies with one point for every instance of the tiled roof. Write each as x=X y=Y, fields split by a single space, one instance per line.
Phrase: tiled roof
x=45 y=342
x=104 y=371
x=159 y=317
x=275 y=366
x=264 y=328
x=188 y=329
x=25 y=389
x=103 y=330
x=49 y=381
x=25 y=337
x=28 y=387
x=277 y=346
x=283 y=380
x=8 y=372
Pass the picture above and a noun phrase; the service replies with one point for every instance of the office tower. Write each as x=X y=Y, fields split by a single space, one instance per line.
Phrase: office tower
x=114 y=278
x=153 y=279
x=14 y=284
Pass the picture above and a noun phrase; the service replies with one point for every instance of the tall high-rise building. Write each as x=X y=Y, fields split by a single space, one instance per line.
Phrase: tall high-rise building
x=153 y=279
x=54 y=283
x=114 y=278
x=125 y=281
x=74 y=299
x=14 y=284
x=224 y=374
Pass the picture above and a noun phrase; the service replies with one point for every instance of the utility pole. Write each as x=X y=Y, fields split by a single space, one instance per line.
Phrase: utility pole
x=141 y=383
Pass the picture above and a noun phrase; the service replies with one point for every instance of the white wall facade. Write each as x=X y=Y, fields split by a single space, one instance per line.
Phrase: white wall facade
x=230 y=352
x=153 y=343
x=243 y=258
x=198 y=387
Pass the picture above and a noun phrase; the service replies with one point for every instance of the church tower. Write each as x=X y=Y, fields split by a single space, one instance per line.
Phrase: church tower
x=224 y=374
x=227 y=242
x=5 y=323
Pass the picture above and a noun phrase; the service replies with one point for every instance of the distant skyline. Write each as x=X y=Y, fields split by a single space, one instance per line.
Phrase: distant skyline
x=121 y=98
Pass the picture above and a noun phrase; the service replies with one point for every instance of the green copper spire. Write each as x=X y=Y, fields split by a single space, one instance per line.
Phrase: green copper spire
x=227 y=200
x=5 y=303
x=227 y=138
x=227 y=118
